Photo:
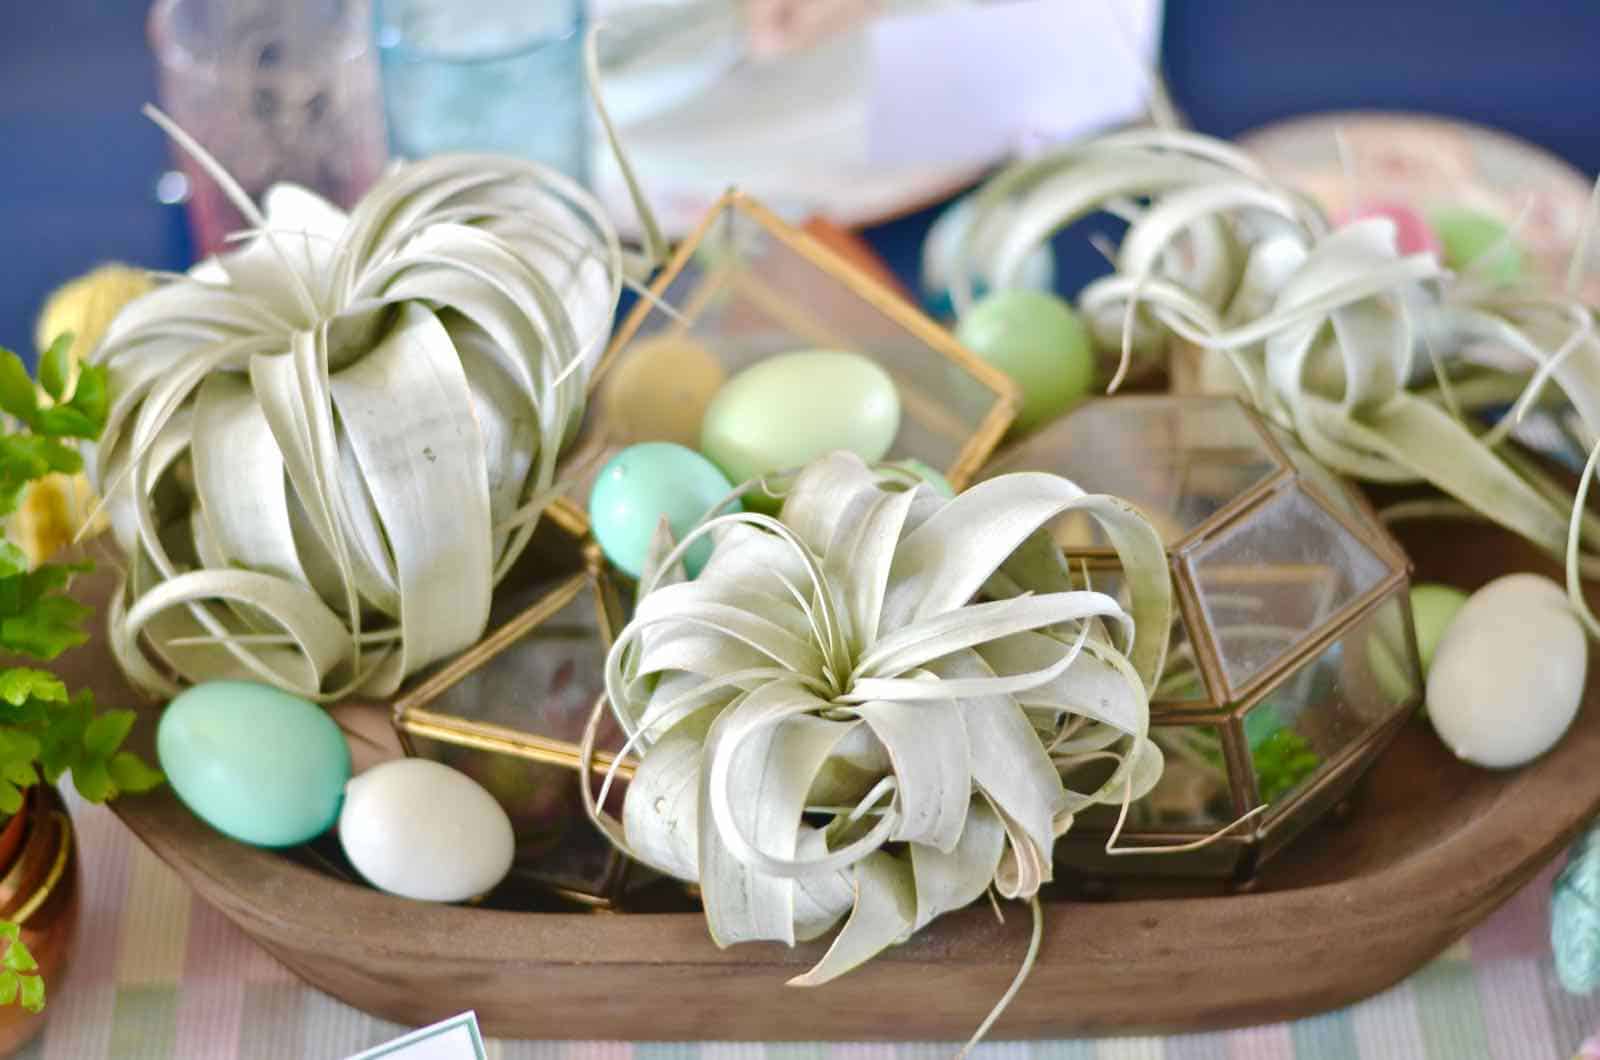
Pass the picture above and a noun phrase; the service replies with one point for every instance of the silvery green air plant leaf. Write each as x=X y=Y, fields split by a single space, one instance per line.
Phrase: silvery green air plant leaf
x=1381 y=364
x=326 y=447
x=849 y=719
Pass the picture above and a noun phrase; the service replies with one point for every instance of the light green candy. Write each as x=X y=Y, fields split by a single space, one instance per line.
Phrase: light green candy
x=1467 y=235
x=257 y=764
x=786 y=411
x=641 y=484
x=1038 y=341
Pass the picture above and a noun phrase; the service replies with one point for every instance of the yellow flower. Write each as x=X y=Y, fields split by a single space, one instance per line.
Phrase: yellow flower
x=53 y=509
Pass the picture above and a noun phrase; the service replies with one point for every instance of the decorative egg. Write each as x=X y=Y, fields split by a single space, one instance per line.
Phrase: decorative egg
x=1507 y=676
x=660 y=390
x=1411 y=232
x=423 y=830
x=1433 y=608
x=1038 y=340
x=943 y=256
x=1467 y=235
x=257 y=764
x=940 y=484
x=641 y=484
x=787 y=410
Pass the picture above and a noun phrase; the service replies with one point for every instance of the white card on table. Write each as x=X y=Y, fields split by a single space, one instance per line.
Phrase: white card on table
x=972 y=82
x=456 y=1038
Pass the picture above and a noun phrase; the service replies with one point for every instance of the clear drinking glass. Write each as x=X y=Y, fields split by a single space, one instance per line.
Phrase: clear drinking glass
x=276 y=90
x=504 y=76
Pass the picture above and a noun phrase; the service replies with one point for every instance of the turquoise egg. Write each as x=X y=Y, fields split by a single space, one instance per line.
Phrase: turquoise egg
x=788 y=410
x=1038 y=340
x=640 y=485
x=255 y=763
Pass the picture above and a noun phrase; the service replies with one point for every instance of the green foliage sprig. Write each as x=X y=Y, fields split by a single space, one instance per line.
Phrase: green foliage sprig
x=20 y=980
x=45 y=731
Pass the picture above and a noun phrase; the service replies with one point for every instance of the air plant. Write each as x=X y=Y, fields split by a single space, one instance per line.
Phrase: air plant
x=324 y=450
x=862 y=711
x=1384 y=366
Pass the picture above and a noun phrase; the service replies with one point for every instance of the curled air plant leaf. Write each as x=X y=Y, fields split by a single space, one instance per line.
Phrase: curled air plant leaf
x=1385 y=366
x=862 y=711
x=324 y=449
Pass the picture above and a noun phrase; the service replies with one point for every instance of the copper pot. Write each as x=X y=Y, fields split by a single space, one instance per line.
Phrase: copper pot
x=39 y=891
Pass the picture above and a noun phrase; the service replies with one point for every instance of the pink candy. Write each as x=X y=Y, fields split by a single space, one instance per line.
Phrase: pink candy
x=1411 y=232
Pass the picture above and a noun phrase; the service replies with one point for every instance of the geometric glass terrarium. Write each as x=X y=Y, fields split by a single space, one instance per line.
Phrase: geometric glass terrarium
x=746 y=286
x=1292 y=659
x=510 y=711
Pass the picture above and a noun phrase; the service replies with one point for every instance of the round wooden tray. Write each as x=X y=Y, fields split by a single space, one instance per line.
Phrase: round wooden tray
x=1428 y=848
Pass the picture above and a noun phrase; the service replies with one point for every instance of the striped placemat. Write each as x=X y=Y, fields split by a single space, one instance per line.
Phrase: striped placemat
x=160 y=974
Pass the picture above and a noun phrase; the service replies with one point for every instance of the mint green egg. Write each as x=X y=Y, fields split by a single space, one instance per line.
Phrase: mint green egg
x=940 y=484
x=1433 y=608
x=1038 y=340
x=257 y=764
x=787 y=410
x=1467 y=235
x=641 y=484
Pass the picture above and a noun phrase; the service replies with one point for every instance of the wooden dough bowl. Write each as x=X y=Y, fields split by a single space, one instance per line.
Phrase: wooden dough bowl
x=1427 y=848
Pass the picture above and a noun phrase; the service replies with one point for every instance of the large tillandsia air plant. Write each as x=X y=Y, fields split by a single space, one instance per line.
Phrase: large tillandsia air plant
x=324 y=450
x=1383 y=365
x=861 y=711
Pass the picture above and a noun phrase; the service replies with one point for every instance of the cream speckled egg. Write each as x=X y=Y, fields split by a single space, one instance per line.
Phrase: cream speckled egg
x=1507 y=677
x=420 y=829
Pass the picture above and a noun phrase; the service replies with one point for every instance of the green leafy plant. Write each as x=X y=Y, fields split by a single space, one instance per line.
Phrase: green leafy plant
x=45 y=731
x=19 y=972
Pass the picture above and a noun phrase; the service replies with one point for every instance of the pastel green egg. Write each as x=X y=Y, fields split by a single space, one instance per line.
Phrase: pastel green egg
x=788 y=410
x=1433 y=608
x=1038 y=340
x=255 y=763
x=641 y=484
x=1468 y=235
x=940 y=484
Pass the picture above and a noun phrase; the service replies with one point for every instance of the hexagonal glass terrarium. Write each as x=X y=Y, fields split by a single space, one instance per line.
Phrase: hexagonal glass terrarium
x=1292 y=658
x=511 y=711
x=746 y=286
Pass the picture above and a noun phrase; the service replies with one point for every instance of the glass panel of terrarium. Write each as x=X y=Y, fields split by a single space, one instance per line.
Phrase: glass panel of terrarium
x=1327 y=485
x=543 y=684
x=1340 y=696
x=1193 y=794
x=1181 y=683
x=786 y=300
x=1179 y=460
x=746 y=294
x=1274 y=577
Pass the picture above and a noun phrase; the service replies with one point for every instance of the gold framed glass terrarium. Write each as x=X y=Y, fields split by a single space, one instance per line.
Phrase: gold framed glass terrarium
x=746 y=286
x=1292 y=658
x=510 y=712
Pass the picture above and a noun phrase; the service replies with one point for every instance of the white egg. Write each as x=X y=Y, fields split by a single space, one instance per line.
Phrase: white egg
x=423 y=830
x=1507 y=677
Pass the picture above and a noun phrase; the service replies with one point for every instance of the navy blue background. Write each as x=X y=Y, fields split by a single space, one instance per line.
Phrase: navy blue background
x=78 y=164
